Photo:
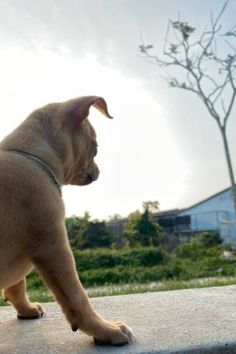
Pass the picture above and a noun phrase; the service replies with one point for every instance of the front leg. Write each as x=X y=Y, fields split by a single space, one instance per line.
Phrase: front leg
x=56 y=265
x=17 y=296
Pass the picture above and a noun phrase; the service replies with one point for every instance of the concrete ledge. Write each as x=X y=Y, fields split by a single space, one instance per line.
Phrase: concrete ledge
x=184 y=321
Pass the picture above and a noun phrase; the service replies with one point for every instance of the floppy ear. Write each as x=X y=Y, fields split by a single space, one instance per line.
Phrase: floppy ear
x=79 y=108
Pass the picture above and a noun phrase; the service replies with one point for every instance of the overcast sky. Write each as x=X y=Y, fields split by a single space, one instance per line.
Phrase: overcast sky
x=162 y=144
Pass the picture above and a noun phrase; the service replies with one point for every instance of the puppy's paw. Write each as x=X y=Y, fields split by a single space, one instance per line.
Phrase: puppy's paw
x=117 y=333
x=35 y=310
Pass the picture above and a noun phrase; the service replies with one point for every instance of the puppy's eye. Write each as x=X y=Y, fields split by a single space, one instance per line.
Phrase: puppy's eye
x=94 y=148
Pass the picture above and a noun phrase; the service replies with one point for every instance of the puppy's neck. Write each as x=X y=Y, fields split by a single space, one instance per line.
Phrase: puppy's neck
x=44 y=166
x=50 y=168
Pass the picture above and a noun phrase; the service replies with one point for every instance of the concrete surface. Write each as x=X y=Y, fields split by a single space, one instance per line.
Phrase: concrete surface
x=183 y=321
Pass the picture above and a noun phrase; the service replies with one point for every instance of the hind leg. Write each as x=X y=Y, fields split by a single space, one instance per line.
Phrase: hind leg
x=16 y=295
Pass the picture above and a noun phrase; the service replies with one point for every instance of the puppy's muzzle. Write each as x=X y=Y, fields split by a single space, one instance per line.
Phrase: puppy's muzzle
x=92 y=176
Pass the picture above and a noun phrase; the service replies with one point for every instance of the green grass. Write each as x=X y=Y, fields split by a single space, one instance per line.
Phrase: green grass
x=159 y=286
x=105 y=272
x=42 y=295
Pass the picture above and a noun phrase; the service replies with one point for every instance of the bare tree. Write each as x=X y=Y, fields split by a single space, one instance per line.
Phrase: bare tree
x=201 y=67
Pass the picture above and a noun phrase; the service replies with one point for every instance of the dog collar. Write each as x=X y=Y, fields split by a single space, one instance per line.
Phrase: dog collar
x=44 y=166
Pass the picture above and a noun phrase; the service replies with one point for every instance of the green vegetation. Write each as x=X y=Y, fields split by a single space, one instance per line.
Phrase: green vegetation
x=141 y=231
x=84 y=233
x=108 y=271
x=42 y=295
x=145 y=263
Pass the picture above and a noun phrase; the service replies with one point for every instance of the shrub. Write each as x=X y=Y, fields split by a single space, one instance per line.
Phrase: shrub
x=100 y=258
x=210 y=239
x=192 y=250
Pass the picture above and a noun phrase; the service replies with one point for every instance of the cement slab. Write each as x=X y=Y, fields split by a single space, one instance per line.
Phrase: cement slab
x=184 y=321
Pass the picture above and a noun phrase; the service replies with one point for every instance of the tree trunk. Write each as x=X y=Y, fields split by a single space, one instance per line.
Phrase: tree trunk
x=230 y=168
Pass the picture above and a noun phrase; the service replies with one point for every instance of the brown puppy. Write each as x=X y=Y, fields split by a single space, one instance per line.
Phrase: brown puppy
x=55 y=145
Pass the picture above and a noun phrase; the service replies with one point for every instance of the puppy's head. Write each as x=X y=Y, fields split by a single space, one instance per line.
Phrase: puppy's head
x=73 y=138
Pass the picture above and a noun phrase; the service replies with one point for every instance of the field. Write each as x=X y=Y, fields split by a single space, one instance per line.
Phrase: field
x=112 y=272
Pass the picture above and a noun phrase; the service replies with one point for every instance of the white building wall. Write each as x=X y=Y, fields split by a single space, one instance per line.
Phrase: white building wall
x=215 y=213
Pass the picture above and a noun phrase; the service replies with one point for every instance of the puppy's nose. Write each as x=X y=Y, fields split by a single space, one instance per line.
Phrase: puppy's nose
x=89 y=178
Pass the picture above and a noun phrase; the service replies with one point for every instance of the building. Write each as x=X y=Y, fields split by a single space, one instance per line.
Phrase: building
x=215 y=213
x=117 y=226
